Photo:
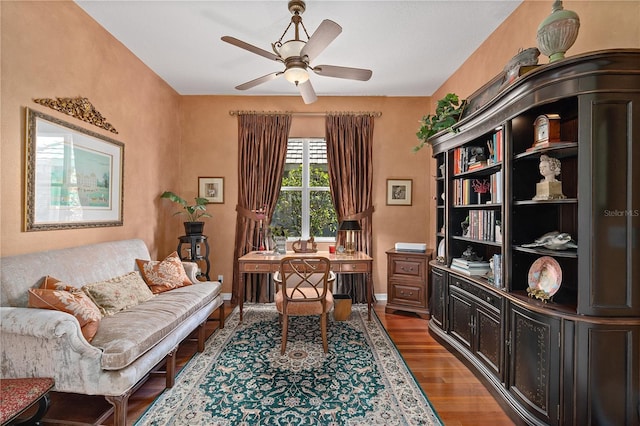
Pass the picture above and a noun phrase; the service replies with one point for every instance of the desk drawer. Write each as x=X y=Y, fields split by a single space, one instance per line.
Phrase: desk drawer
x=345 y=268
x=258 y=268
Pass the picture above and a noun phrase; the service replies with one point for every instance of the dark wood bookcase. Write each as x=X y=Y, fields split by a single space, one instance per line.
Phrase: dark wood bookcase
x=574 y=359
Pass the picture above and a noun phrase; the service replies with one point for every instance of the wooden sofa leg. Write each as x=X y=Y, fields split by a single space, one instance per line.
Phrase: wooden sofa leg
x=171 y=368
x=221 y=313
x=120 y=405
x=201 y=336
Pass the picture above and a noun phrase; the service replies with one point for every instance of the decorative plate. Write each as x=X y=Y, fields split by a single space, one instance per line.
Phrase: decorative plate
x=546 y=275
x=441 y=248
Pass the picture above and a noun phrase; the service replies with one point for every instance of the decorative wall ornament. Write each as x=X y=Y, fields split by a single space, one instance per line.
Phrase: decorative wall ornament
x=80 y=108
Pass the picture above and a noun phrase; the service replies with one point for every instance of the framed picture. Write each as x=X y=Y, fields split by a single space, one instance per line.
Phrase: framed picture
x=399 y=192
x=211 y=188
x=73 y=176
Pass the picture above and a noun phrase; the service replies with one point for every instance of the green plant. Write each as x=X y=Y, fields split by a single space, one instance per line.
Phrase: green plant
x=279 y=231
x=193 y=211
x=448 y=112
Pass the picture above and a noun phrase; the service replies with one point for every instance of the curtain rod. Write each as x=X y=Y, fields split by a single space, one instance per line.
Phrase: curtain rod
x=308 y=114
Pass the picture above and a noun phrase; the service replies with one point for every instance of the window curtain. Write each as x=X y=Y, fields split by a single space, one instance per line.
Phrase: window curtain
x=262 y=152
x=349 y=154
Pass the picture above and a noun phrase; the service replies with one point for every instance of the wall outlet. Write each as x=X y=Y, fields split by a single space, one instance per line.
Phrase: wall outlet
x=220 y=278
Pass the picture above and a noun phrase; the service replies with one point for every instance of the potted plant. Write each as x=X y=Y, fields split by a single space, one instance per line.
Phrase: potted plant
x=192 y=226
x=448 y=112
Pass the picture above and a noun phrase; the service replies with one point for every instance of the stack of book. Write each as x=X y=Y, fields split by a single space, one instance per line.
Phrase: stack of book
x=470 y=267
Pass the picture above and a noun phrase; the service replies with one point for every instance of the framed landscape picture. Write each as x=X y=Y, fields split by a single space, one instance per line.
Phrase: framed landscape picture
x=399 y=192
x=73 y=176
x=211 y=188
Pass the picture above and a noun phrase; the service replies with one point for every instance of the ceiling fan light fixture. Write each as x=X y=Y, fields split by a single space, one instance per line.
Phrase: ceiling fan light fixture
x=296 y=75
x=291 y=48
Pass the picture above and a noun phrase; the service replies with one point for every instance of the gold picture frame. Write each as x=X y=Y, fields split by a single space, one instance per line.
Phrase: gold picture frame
x=73 y=176
x=211 y=188
x=399 y=192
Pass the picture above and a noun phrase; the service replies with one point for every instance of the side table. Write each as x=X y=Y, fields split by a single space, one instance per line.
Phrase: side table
x=408 y=282
x=193 y=252
x=18 y=395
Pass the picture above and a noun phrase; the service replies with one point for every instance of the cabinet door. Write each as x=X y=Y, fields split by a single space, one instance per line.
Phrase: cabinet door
x=461 y=320
x=534 y=363
x=437 y=303
x=609 y=248
x=488 y=339
x=608 y=374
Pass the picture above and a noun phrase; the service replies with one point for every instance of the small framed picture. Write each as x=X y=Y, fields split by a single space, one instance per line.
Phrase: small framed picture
x=399 y=192
x=211 y=188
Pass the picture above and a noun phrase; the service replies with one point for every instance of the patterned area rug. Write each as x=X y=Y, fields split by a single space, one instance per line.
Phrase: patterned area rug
x=241 y=378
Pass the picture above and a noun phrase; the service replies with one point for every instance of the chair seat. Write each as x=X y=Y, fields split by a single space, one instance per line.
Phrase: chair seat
x=304 y=308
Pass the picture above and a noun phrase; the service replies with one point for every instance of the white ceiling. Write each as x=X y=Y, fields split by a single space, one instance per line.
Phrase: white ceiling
x=412 y=47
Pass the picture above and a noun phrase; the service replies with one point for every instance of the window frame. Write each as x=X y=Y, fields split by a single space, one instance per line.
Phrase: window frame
x=306 y=190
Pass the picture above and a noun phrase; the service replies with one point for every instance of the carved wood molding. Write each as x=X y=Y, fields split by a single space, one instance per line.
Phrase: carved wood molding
x=80 y=108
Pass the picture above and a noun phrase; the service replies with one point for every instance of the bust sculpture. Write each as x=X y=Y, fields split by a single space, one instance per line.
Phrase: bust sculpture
x=549 y=168
x=549 y=188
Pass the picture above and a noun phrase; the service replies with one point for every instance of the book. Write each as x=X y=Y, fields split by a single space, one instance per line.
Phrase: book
x=469 y=263
x=470 y=272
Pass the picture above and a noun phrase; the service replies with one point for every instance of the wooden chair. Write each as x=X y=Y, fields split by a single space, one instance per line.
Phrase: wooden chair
x=304 y=288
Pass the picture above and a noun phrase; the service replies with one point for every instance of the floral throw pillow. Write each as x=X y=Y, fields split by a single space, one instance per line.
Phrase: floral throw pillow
x=73 y=302
x=119 y=293
x=164 y=275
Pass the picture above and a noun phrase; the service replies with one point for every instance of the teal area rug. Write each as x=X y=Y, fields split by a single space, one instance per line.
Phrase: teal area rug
x=241 y=378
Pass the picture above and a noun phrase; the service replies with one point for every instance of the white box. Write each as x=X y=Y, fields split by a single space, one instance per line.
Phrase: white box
x=415 y=247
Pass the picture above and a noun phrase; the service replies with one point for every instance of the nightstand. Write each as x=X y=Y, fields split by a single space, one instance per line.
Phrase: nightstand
x=408 y=282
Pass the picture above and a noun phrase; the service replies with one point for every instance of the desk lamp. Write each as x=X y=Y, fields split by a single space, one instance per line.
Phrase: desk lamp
x=350 y=227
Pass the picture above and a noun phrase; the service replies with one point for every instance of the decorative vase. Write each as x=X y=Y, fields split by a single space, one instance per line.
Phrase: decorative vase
x=193 y=228
x=557 y=32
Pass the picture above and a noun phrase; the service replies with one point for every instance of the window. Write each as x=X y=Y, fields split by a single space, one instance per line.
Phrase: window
x=304 y=207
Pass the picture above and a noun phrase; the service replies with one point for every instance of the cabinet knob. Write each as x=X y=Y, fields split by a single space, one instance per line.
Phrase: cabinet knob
x=257 y=267
x=410 y=269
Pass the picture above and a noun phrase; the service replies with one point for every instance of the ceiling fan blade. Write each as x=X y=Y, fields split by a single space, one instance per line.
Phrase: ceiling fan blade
x=251 y=48
x=259 y=80
x=307 y=92
x=343 y=72
x=320 y=39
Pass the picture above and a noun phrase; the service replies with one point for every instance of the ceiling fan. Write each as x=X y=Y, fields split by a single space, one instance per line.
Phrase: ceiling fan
x=297 y=55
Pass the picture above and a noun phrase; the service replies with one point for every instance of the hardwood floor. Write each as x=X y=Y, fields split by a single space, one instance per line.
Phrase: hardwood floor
x=455 y=393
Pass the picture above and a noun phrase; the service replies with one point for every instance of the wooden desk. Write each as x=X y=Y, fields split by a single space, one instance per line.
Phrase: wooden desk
x=257 y=262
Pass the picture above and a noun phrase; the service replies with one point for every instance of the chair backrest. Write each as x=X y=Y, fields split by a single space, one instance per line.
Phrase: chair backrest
x=311 y=273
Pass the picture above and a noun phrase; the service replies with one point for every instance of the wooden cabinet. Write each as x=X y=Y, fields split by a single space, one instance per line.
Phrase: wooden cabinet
x=475 y=321
x=438 y=301
x=573 y=358
x=408 y=282
x=534 y=344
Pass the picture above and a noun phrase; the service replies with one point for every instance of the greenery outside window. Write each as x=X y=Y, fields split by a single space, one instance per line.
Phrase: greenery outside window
x=304 y=207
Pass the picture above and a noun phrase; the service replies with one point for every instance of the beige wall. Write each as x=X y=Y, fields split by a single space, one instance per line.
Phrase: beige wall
x=210 y=148
x=52 y=49
x=604 y=24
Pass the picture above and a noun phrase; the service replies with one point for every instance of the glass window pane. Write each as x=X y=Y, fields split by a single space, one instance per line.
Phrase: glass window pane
x=288 y=213
x=292 y=176
x=324 y=222
x=319 y=175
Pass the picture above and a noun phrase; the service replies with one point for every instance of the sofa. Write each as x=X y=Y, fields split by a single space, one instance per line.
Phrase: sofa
x=127 y=347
